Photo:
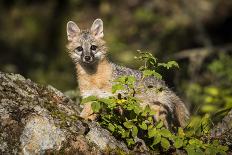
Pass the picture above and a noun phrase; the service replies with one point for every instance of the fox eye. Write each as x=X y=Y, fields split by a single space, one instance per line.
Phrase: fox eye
x=93 y=47
x=79 y=49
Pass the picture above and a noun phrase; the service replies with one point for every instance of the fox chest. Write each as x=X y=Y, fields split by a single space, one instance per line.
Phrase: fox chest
x=99 y=87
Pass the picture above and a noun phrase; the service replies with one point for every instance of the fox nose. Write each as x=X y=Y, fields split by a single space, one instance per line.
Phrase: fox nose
x=87 y=58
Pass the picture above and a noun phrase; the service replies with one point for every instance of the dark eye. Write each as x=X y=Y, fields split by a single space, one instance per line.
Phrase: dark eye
x=93 y=47
x=79 y=49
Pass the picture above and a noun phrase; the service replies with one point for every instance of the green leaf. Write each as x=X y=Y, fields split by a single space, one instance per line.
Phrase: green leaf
x=148 y=72
x=96 y=106
x=134 y=131
x=121 y=79
x=166 y=133
x=111 y=127
x=130 y=141
x=173 y=64
x=159 y=125
x=110 y=102
x=138 y=110
x=157 y=139
x=165 y=143
x=152 y=132
x=181 y=132
x=169 y=65
x=123 y=132
x=191 y=151
x=131 y=79
x=128 y=125
x=143 y=126
x=88 y=99
x=117 y=87
x=157 y=75
x=178 y=143
x=146 y=110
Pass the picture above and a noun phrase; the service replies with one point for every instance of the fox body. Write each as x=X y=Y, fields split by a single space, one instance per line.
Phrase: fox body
x=95 y=75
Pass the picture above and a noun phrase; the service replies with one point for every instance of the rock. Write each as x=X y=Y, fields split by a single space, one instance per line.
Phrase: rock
x=35 y=119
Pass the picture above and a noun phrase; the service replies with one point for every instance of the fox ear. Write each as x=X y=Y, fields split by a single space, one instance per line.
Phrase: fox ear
x=97 y=28
x=72 y=30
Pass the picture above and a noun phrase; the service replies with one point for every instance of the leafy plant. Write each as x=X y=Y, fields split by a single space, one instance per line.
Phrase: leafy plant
x=122 y=115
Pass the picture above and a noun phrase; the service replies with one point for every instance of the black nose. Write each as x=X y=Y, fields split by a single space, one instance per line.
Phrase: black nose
x=87 y=58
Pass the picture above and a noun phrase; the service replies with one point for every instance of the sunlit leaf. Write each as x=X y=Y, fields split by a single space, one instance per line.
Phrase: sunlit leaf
x=178 y=143
x=88 y=99
x=96 y=106
x=111 y=127
x=157 y=139
x=165 y=133
x=128 y=124
x=165 y=143
x=152 y=132
x=134 y=131
x=143 y=126
x=117 y=87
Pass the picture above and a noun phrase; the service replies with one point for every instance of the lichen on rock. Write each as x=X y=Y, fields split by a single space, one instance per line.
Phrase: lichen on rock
x=37 y=119
x=40 y=134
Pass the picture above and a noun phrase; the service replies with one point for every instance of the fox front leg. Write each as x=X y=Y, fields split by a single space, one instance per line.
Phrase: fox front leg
x=87 y=112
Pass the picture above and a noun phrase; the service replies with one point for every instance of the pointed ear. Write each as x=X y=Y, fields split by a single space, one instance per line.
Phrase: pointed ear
x=72 y=30
x=97 y=28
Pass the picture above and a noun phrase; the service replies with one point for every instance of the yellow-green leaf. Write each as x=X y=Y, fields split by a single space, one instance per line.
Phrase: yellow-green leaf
x=165 y=143
x=88 y=99
x=96 y=106
x=152 y=132
x=128 y=124
x=178 y=143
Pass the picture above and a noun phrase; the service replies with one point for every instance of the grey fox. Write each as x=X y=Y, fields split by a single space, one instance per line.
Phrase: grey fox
x=95 y=74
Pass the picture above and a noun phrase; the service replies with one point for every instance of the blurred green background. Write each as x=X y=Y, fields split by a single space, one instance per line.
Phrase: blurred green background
x=197 y=34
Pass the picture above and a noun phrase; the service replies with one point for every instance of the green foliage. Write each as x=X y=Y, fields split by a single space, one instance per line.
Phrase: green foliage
x=127 y=120
x=213 y=95
x=151 y=65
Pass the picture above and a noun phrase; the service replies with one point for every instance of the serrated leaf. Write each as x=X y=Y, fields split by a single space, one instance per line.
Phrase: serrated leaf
x=110 y=102
x=128 y=125
x=166 y=133
x=130 y=141
x=181 y=132
x=134 y=131
x=160 y=125
x=150 y=126
x=96 y=106
x=88 y=99
x=173 y=64
x=137 y=110
x=169 y=65
x=165 y=143
x=191 y=151
x=157 y=139
x=143 y=126
x=150 y=119
x=157 y=75
x=121 y=79
x=178 y=143
x=117 y=87
x=111 y=127
x=131 y=79
x=146 y=110
x=152 y=132
x=148 y=73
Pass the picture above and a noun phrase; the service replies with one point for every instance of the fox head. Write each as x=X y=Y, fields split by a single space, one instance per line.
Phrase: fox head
x=86 y=46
